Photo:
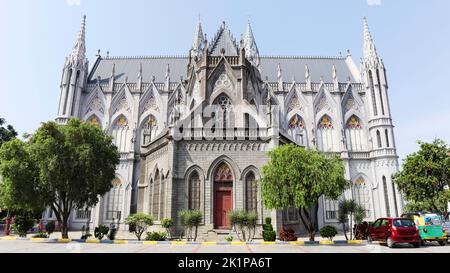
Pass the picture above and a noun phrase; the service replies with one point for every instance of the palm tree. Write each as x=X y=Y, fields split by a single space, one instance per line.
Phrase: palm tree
x=350 y=210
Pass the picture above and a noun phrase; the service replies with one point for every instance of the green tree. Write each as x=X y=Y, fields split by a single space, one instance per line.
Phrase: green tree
x=425 y=178
x=297 y=177
x=60 y=166
x=140 y=222
x=350 y=211
x=6 y=133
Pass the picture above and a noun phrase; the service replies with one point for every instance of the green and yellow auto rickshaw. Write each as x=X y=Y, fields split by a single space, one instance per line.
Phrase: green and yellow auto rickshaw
x=430 y=226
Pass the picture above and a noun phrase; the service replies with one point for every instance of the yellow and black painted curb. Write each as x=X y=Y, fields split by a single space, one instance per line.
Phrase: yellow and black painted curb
x=182 y=243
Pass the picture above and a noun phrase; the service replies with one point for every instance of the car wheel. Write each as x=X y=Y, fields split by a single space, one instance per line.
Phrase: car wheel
x=442 y=243
x=416 y=245
x=390 y=242
x=369 y=240
x=422 y=242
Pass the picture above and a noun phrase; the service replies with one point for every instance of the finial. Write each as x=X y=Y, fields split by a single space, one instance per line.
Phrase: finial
x=334 y=73
x=98 y=53
x=107 y=54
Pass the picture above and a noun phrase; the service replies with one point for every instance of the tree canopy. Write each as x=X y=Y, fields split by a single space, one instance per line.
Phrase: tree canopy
x=425 y=177
x=298 y=177
x=60 y=166
x=6 y=133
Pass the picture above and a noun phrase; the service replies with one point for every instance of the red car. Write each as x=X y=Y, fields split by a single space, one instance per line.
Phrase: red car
x=393 y=231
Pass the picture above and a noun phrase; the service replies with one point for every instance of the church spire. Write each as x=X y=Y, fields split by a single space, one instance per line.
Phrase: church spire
x=78 y=53
x=251 y=49
x=370 y=51
x=198 y=42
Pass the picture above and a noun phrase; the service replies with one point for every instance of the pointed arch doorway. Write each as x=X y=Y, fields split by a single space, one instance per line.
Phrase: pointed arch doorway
x=223 y=196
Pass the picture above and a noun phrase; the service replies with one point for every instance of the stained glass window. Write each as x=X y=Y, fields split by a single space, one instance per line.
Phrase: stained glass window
x=122 y=122
x=325 y=123
x=353 y=123
x=194 y=191
x=296 y=122
x=223 y=173
x=251 y=189
x=94 y=121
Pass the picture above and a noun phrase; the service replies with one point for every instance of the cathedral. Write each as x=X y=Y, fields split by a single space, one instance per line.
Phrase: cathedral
x=194 y=131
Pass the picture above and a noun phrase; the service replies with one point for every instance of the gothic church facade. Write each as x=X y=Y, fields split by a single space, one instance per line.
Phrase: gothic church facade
x=174 y=155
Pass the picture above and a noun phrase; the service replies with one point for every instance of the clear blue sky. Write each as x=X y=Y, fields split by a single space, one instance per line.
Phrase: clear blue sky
x=413 y=37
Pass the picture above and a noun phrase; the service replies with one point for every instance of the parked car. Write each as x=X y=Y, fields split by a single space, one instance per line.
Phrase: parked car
x=394 y=231
x=430 y=226
x=446 y=225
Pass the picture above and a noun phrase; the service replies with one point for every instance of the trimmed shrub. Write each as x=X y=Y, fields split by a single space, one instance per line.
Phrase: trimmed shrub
x=156 y=236
x=190 y=220
x=328 y=232
x=243 y=223
x=229 y=238
x=140 y=222
x=287 y=234
x=22 y=224
x=167 y=223
x=269 y=235
x=101 y=231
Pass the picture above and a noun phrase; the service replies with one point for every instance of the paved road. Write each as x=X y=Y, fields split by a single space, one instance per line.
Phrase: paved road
x=33 y=247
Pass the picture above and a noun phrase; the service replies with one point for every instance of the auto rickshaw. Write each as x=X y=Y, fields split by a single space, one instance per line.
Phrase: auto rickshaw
x=430 y=226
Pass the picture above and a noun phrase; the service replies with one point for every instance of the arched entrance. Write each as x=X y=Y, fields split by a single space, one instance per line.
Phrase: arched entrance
x=223 y=196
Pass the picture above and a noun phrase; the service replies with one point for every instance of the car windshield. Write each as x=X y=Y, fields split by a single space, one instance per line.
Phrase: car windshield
x=432 y=220
x=403 y=223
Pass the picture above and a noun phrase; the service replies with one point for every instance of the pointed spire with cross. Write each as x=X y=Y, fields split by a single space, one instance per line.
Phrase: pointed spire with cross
x=370 y=51
x=251 y=49
x=198 y=42
x=78 y=54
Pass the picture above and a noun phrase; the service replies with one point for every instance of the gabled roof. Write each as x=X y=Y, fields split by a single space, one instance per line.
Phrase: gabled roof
x=223 y=39
x=291 y=67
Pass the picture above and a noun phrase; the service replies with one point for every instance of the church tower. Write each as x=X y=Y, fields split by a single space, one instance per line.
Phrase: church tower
x=74 y=78
x=380 y=127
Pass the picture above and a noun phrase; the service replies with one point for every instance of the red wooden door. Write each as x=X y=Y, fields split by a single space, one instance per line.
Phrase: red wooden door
x=223 y=204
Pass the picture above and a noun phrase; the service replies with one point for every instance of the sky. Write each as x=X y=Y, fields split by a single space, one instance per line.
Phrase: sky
x=412 y=36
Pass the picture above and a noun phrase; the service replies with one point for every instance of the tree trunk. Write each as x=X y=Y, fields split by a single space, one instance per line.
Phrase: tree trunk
x=309 y=220
x=351 y=226
x=65 y=228
x=345 y=231
x=196 y=232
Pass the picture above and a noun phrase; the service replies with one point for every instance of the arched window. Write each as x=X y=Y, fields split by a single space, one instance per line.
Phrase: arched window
x=380 y=91
x=326 y=135
x=120 y=134
x=194 y=191
x=66 y=97
x=155 y=203
x=75 y=93
x=379 y=139
x=296 y=129
x=225 y=113
x=162 y=201
x=150 y=129
x=361 y=194
x=150 y=194
x=387 y=138
x=395 y=199
x=372 y=91
x=94 y=120
x=114 y=201
x=386 y=197
x=355 y=134
x=251 y=190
